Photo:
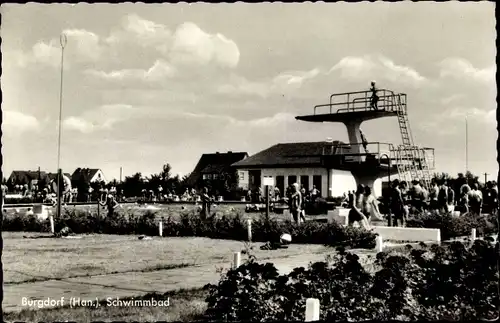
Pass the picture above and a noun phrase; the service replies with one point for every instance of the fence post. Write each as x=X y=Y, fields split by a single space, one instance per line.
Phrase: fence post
x=160 y=228
x=249 y=230
x=379 y=246
x=473 y=235
x=236 y=260
x=312 y=310
x=52 y=228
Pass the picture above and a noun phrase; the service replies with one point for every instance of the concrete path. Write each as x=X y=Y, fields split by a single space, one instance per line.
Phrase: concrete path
x=136 y=284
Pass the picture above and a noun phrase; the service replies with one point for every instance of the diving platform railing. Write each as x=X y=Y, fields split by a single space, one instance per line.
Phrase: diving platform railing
x=361 y=101
x=381 y=152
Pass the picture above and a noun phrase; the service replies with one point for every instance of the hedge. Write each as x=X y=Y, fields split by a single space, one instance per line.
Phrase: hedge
x=232 y=227
x=452 y=226
x=448 y=282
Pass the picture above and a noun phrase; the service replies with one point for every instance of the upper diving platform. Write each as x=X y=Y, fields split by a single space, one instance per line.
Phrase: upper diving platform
x=345 y=107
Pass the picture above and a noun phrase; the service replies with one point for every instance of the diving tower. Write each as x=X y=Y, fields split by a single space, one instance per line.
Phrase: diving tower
x=369 y=161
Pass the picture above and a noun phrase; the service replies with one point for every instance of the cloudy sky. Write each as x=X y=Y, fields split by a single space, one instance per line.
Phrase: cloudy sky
x=149 y=84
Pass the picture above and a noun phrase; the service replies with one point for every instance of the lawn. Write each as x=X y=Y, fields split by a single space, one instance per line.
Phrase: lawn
x=185 y=306
x=27 y=260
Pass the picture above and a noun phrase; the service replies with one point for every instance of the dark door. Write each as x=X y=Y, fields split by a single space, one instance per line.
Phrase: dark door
x=304 y=181
x=280 y=184
x=292 y=179
x=317 y=182
x=254 y=180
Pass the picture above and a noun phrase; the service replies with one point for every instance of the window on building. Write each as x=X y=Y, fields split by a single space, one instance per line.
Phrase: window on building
x=292 y=179
x=317 y=181
x=242 y=176
x=215 y=176
x=304 y=182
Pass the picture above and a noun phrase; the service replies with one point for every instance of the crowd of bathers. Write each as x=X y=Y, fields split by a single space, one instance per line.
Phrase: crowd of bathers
x=401 y=200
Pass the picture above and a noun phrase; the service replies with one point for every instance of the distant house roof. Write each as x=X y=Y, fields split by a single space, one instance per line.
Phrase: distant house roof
x=289 y=155
x=212 y=169
x=85 y=174
x=215 y=163
x=25 y=177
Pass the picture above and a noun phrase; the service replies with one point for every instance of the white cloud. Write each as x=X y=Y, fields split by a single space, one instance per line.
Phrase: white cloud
x=275 y=120
x=400 y=72
x=82 y=47
x=141 y=32
x=241 y=86
x=191 y=45
x=101 y=118
x=86 y=44
x=473 y=113
x=78 y=124
x=294 y=79
x=17 y=58
x=452 y=99
x=15 y=122
x=46 y=53
x=376 y=68
x=265 y=122
x=159 y=71
x=462 y=69
x=353 y=67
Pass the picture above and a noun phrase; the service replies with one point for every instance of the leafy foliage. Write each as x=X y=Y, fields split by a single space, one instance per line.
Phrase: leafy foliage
x=449 y=282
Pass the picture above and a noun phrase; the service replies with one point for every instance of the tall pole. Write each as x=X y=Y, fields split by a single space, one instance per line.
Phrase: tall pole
x=63 y=40
x=267 y=202
x=485 y=177
x=121 y=172
x=466 y=144
x=388 y=199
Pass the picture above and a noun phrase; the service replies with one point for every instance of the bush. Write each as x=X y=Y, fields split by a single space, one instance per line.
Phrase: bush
x=452 y=227
x=228 y=226
x=450 y=282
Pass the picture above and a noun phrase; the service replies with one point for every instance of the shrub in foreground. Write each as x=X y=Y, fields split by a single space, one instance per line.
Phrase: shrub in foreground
x=451 y=282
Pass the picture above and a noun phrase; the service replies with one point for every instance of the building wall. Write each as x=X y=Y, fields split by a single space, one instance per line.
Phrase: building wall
x=243 y=179
x=377 y=187
x=96 y=176
x=342 y=182
x=310 y=172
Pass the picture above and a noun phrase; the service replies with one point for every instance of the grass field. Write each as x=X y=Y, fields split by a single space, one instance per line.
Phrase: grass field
x=31 y=261
x=28 y=260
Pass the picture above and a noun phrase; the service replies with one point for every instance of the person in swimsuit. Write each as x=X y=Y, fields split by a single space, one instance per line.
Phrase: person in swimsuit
x=356 y=212
x=374 y=98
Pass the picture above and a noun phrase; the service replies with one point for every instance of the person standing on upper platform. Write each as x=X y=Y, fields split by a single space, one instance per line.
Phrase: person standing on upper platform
x=374 y=98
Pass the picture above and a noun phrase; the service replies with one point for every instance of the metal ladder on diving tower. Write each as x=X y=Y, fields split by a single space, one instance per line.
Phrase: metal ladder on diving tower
x=411 y=160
